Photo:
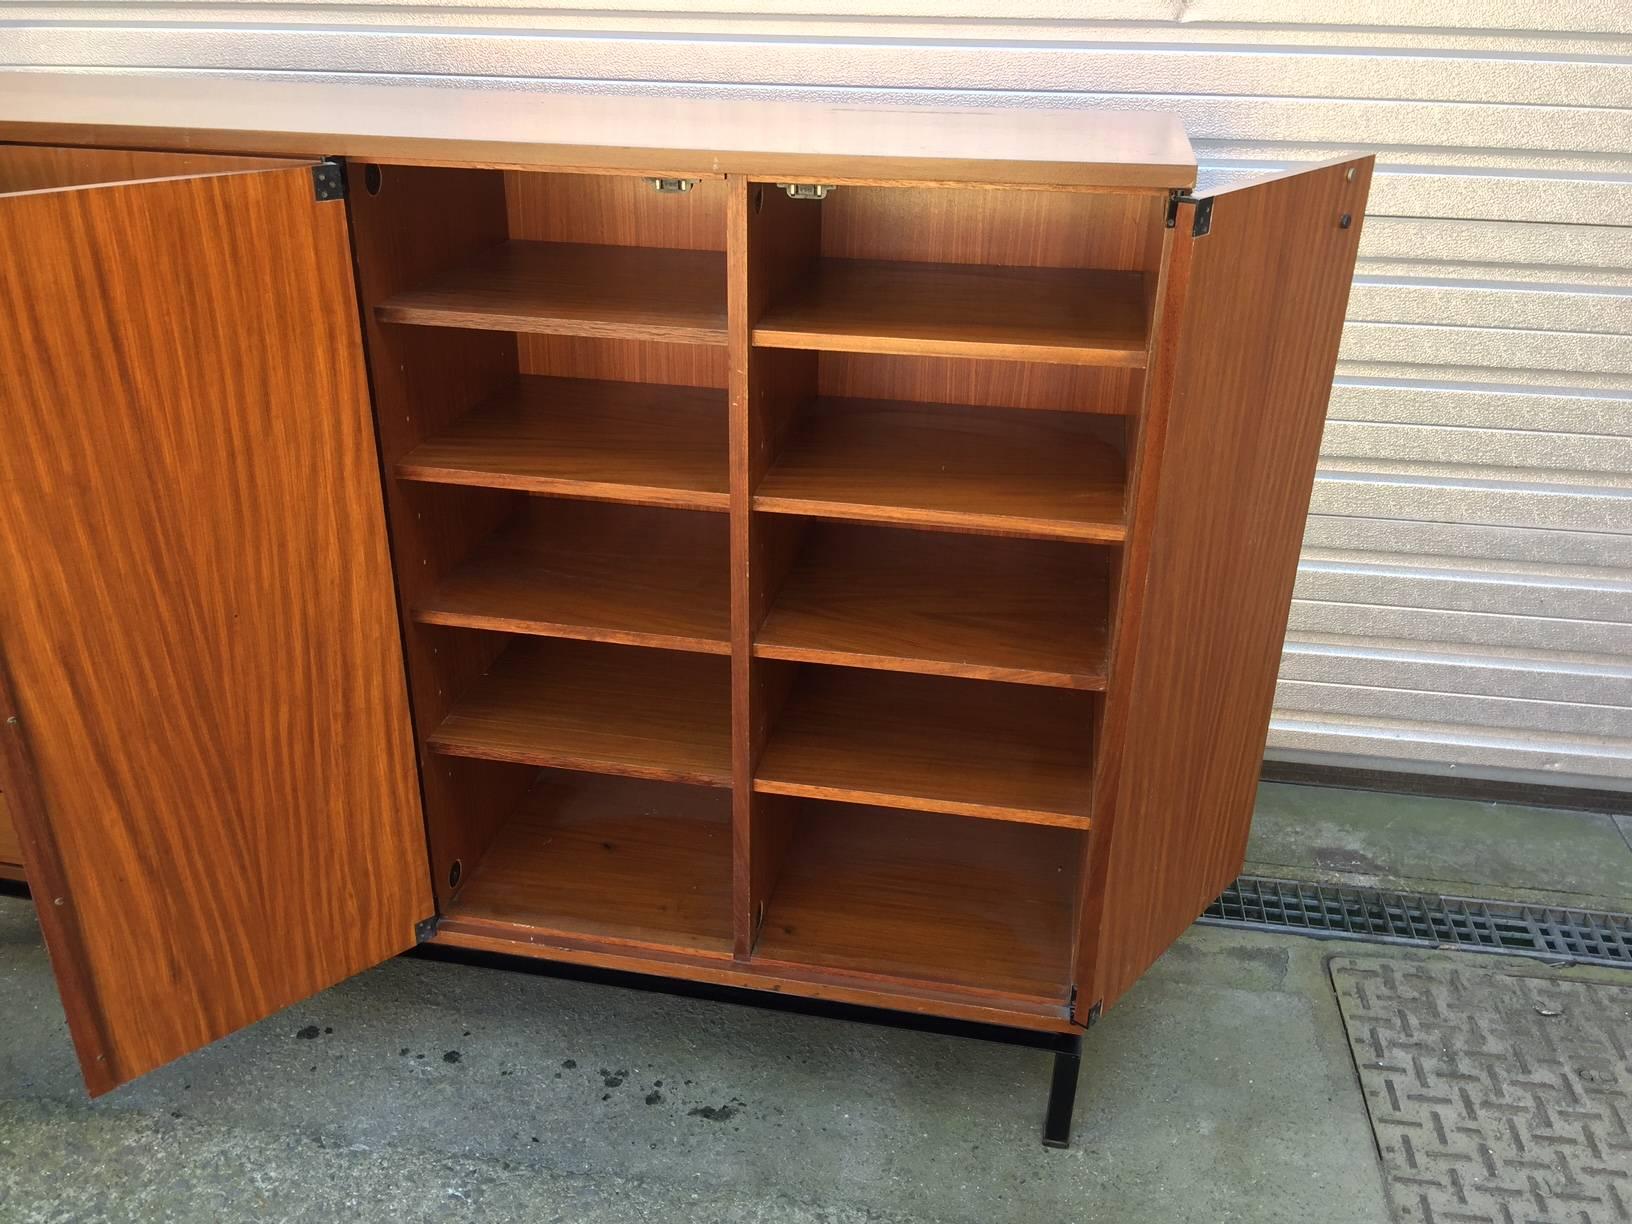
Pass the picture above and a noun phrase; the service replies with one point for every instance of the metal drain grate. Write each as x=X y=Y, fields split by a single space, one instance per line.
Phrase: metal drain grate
x=1588 y=937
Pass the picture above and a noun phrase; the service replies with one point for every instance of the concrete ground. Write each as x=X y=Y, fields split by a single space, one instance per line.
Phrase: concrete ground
x=1222 y=1088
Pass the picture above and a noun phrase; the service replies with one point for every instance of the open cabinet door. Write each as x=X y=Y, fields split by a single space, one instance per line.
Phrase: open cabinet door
x=206 y=740
x=1257 y=283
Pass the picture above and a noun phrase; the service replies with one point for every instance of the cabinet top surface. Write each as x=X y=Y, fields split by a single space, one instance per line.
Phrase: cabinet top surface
x=784 y=139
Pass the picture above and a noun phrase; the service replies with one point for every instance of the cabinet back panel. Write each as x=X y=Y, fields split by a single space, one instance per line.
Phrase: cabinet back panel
x=1033 y=229
x=996 y=384
x=648 y=361
x=616 y=210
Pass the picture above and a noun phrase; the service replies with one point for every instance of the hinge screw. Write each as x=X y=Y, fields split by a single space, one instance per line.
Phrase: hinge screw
x=1348 y=174
x=1345 y=221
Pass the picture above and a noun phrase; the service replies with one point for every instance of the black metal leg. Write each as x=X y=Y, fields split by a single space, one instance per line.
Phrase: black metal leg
x=1062 y=1095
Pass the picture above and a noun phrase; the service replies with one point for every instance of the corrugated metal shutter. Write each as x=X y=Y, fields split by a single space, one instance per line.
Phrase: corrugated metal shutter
x=1463 y=601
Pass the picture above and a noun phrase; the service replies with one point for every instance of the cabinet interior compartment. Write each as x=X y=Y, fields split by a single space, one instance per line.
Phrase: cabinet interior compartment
x=799 y=664
x=1064 y=277
x=938 y=901
x=550 y=379
x=624 y=861
x=975 y=748
x=940 y=603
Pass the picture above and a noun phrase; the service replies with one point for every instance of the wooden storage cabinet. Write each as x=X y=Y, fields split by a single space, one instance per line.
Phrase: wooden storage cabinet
x=859 y=581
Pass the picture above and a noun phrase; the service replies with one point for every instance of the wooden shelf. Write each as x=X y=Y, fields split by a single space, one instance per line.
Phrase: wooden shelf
x=1025 y=611
x=615 y=441
x=966 y=904
x=1067 y=315
x=601 y=709
x=576 y=289
x=998 y=751
x=615 y=860
x=1050 y=475
x=629 y=574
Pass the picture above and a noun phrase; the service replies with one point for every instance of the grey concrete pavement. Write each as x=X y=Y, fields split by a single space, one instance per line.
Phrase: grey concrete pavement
x=1222 y=1089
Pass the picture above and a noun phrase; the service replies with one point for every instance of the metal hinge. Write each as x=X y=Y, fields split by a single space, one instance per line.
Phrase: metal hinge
x=806 y=191
x=1204 y=212
x=329 y=179
x=425 y=928
x=1094 y=1011
x=672 y=186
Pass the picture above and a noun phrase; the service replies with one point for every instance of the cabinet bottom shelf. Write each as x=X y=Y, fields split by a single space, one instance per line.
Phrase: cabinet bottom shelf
x=621 y=861
x=944 y=901
x=929 y=913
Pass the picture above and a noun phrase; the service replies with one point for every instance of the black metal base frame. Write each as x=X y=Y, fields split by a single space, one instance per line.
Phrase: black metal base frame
x=1066 y=1047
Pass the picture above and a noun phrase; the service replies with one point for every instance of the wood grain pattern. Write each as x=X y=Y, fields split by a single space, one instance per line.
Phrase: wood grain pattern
x=53 y=168
x=1144 y=150
x=1053 y=475
x=572 y=289
x=996 y=751
x=959 y=903
x=647 y=361
x=1249 y=339
x=621 y=861
x=770 y=240
x=426 y=378
x=615 y=210
x=1023 y=611
x=198 y=610
x=602 y=709
x=599 y=573
x=1007 y=229
x=995 y=384
x=1074 y=316
x=630 y=442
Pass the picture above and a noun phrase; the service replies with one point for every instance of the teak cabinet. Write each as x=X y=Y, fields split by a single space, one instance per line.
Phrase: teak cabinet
x=846 y=557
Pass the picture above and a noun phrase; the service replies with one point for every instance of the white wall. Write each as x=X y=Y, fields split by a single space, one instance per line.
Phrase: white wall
x=1465 y=600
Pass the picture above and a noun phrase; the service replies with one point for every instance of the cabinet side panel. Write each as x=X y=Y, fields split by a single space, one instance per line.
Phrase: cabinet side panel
x=196 y=611
x=1247 y=344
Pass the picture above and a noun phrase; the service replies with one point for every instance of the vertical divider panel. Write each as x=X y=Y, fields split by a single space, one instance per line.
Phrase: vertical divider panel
x=770 y=241
x=412 y=224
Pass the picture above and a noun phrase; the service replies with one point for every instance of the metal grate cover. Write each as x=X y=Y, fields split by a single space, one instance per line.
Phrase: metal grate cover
x=1588 y=937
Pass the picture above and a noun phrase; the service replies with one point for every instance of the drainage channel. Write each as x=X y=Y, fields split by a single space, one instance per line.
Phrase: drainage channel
x=1425 y=920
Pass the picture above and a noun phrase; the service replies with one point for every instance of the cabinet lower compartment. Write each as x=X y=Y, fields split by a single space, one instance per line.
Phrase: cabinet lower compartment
x=936 y=913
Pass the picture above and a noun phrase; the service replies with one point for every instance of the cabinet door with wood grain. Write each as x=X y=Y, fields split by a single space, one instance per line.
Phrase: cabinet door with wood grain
x=206 y=741
x=1247 y=335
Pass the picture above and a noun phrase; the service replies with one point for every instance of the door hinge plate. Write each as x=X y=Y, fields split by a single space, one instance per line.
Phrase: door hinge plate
x=806 y=191
x=672 y=186
x=1203 y=220
x=329 y=180
x=425 y=928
